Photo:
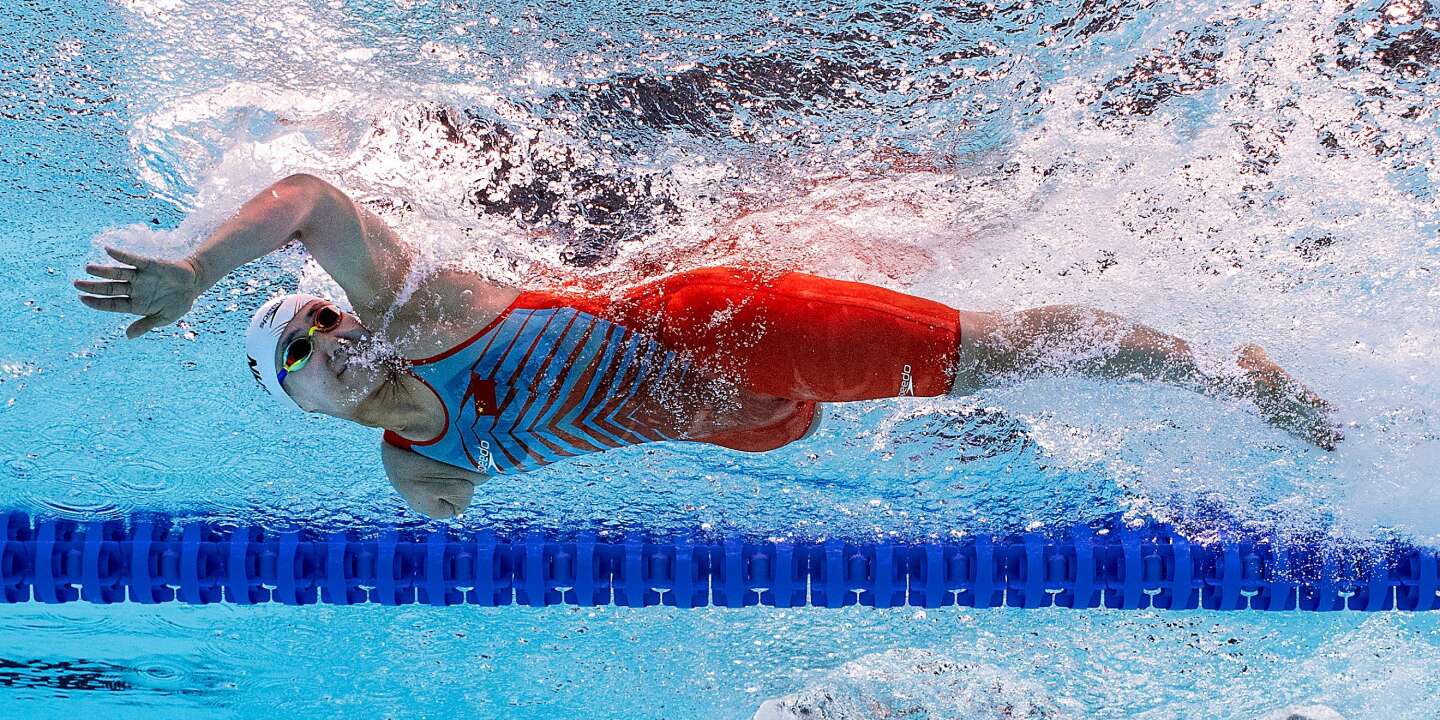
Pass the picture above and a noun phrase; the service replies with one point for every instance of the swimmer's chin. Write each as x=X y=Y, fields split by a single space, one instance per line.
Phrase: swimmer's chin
x=362 y=382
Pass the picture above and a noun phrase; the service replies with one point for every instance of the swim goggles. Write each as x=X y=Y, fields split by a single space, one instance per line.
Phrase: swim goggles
x=298 y=351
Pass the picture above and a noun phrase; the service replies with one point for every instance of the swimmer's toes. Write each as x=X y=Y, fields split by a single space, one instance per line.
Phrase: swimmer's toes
x=1328 y=437
x=1317 y=426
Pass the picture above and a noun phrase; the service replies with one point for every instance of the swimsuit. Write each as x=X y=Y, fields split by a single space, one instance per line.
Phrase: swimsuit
x=560 y=374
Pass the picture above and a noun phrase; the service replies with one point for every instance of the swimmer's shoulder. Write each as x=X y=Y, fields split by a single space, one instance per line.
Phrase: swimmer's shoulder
x=444 y=310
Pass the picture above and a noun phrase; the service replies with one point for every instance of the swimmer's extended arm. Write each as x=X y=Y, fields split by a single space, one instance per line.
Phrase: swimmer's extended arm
x=354 y=246
x=432 y=488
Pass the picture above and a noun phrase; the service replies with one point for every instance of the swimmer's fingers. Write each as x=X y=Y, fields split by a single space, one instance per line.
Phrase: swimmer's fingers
x=111 y=272
x=109 y=304
x=99 y=287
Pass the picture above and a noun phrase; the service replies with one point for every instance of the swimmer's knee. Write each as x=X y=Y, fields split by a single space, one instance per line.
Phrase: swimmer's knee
x=1062 y=317
x=976 y=361
x=1002 y=346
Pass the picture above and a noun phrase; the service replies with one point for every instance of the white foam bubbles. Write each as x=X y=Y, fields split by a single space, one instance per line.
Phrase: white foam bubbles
x=1245 y=209
x=911 y=682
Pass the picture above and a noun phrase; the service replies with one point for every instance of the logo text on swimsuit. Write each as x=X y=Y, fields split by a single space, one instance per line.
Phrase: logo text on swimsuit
x=488 y=460
x=907 y=382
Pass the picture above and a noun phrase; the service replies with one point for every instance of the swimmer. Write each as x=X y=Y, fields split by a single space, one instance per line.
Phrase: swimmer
x=469 y=378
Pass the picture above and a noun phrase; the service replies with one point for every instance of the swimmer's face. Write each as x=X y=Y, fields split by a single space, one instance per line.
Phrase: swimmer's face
x=340 y=373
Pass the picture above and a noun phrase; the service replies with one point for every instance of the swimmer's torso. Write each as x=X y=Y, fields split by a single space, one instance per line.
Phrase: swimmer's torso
x=554 y=377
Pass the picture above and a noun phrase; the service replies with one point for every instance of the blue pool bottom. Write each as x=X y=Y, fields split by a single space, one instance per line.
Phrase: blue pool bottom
x=1110 y=565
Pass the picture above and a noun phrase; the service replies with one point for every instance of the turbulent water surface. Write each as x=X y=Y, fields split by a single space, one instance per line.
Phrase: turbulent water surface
x=1228 y=172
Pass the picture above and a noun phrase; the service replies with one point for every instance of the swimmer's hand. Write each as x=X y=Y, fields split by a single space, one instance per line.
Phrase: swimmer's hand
x=159 y=291
x=1284 y=402
x=431 y=488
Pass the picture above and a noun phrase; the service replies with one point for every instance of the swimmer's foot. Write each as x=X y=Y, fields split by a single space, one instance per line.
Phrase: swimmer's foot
x=1284 y=402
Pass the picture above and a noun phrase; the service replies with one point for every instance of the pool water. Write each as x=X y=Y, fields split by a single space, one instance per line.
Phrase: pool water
x=1228 y=172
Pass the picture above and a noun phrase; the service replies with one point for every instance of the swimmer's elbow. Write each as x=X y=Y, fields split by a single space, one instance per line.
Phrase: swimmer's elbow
x=314 y=188
x=304 y=181
x=305 y=194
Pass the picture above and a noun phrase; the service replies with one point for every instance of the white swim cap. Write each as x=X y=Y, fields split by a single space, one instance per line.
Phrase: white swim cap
x=263 y=338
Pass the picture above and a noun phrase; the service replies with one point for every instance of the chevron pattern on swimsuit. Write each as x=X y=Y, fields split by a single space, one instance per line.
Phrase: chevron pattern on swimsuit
x=545 y=384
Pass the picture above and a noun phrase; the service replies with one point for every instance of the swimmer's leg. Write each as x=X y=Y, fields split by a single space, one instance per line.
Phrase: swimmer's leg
x=997 y=347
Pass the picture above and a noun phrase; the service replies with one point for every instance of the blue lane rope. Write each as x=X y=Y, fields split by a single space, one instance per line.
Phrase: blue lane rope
x=153 y=560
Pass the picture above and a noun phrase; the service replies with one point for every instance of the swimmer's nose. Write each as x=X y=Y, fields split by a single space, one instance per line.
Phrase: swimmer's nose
x=335 y=346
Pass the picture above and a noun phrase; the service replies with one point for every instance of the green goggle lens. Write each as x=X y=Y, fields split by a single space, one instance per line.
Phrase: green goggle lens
x=297 y=353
